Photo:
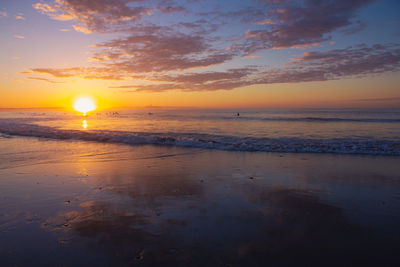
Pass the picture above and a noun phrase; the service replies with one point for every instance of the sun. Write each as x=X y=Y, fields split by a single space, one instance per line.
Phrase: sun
x=84 y=105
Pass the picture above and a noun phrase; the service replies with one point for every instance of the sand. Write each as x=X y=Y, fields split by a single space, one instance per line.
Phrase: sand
x=80 y=203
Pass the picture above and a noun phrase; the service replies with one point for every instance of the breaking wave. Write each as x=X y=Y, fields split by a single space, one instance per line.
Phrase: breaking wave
x=339 y=145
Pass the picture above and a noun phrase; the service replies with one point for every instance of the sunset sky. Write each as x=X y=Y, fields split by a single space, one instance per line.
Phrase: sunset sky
x=200 y=53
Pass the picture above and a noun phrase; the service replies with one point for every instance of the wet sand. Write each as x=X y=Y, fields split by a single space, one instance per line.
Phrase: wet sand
x=70 y=203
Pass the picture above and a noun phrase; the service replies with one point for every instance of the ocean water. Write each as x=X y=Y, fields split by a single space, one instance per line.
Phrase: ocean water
x=77 y=193
x=343 y=131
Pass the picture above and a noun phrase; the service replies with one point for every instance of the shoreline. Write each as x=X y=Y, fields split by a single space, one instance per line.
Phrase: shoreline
x=214 y=142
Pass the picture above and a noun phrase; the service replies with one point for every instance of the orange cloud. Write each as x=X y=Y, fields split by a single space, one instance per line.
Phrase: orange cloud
x=19 y=16
x=61 y=17
x=81 y=29
x=45 y=8
x=93 y=15
x=266 y=21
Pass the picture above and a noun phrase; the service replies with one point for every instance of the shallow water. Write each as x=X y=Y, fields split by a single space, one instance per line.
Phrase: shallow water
x=348 y=131
x=260 y=123
x=87 y=203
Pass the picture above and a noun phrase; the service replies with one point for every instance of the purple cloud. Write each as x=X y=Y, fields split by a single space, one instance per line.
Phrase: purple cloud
x=159 y=49
x=360 y=61
x=95 y=15
x=303 y=24
x=357 y=61
x=165 y=53
x=58 y=73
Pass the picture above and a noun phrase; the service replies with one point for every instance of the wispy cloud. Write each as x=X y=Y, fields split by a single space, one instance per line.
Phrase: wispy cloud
x=158 y=49
x=86 y=73
x=94 y=15
x=20 y=16
x=81 y=29
x=45 y=8
x=263 y=22
x=58 y=73
x=303 y=23
x=360 y=61
x=43 y=79
x=357 y=61
x=19 y=36
x=385 y=99
x=3 y=14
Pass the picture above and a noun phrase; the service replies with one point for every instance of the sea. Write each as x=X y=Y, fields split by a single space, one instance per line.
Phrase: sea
x=180 y=187
x=341 y=131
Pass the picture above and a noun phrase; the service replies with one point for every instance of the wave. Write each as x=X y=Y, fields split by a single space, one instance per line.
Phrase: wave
x=277 y=119
x=316 y=119
x=340 y=145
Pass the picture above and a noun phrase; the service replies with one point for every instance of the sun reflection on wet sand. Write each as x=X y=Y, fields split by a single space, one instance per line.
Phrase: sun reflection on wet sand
x=155 y=206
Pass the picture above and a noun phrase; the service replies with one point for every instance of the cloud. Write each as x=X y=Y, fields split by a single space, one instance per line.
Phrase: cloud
x=61 y=17
x=19 y=36
x=168 y=6
x=177 y=53
x=204 y=81
x=208 y=76
x=86 y=73
x=356 y=27
x=43 y=79
x=3 y=14
x=265 y=21
x=359 y=61
x=275 y=24
x=45 y=8
x=58 y=73
x=20 y=16
x=353 y=61
x=53 y=11
x=170 y=9
x=303 y=24
x=160 y=49
x=385 y=99
x=81 y=29
x=94 y=15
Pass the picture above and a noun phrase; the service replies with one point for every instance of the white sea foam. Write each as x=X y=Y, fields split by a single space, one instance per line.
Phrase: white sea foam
x=24 y=127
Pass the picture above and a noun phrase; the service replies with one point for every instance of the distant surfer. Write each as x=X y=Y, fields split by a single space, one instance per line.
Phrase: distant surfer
x=237 y=115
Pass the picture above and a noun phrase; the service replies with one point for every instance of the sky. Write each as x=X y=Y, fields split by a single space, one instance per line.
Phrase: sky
x=200 y=53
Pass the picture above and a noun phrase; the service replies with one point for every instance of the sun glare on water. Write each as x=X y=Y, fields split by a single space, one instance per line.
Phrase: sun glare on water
x=84 y=105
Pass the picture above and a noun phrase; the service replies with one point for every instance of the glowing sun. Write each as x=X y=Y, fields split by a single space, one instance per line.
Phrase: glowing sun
x=84 y=105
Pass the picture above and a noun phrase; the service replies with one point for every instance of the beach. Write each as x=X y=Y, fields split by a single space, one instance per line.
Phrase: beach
x=200 y=133
x=74 y=202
